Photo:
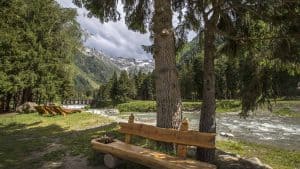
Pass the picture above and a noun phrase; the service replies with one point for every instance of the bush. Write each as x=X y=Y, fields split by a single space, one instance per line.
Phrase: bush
x=150 y=106
x=137 y=106
x=228 y=106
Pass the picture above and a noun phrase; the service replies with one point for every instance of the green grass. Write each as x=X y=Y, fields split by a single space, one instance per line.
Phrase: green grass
x=275 y=157
x=290 y=108
x=137 y=106
x=22 y=136
x=150 y=106
x=286 y=112
x=228 y=106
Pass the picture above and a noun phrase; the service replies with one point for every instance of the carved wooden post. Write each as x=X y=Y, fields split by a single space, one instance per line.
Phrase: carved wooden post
x=182 y=149
x=128 y=136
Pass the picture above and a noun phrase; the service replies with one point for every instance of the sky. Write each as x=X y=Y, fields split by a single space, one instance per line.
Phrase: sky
x=112 y=38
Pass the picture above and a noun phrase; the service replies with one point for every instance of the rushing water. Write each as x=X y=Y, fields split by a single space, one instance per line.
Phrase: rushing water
x=282 y=132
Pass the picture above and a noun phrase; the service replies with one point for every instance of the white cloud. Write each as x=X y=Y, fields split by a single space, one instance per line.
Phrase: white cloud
x=113 y=38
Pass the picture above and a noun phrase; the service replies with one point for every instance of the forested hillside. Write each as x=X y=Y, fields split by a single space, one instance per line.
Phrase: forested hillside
x=230 y=74
x=90 y=71
x=40 y=56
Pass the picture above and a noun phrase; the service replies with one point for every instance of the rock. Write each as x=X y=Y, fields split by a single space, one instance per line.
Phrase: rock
x=111 y=161
x=222 y=134
x=51 y=164
x=191 y=152
x=228 y=158
x=111 y=111
x=254 y=160
x=229 y=135
x=257 y=164
x=229 y=161
x=27 y=107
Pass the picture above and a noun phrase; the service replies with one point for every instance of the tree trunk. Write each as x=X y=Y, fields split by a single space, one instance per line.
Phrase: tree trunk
x=27 y=95
x=2 y=104
x=167 y=87
x=7 y=103
x=207 y=119
x=168 y=97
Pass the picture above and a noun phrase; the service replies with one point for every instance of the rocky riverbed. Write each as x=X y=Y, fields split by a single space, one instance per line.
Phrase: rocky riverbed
x=263 y=128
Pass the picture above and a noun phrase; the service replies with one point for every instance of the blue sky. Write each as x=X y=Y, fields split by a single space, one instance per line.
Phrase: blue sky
x=113 y=38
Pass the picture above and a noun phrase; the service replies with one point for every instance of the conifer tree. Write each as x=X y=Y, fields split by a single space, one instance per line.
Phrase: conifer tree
x=115 y=89
x=137 y=17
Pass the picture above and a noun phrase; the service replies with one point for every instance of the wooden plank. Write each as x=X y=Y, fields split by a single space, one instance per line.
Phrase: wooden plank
x=41 y=110
x=194 y=138
x=148 y=157
x=128 y=136
x=48 y=108
x=182 y=149
x=59 y=110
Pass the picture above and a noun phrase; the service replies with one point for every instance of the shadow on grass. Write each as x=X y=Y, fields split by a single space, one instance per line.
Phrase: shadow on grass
x=25 y=146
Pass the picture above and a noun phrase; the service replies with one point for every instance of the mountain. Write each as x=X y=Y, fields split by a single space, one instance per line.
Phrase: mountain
x=132 y=65
x=91 y=68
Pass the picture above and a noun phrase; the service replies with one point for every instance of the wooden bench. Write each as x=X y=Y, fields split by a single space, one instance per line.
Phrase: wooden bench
x=153 y=159
x=55 y=110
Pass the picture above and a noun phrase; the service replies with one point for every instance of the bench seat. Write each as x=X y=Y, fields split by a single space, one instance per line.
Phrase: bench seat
x=150 y=158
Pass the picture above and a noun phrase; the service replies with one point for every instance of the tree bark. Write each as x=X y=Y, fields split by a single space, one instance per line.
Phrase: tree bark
x=168 y=97
x=2 y=104
x=208 y=109
x=167 y=87
x=7 y=102
x=207 y=119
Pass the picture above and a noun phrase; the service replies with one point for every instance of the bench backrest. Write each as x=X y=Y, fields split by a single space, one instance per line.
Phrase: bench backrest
x=183 y=136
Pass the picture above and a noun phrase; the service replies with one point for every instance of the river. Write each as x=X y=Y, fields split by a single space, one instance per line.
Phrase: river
x=262 y=128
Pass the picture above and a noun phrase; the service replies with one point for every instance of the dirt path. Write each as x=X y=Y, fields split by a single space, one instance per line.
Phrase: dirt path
x=57 y=156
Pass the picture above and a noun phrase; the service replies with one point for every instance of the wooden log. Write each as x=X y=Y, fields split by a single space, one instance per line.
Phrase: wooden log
x=59 y=110
x=193 y=138
x=111 y=161
x=128 y=136
x=41 y=110
x=48 y=108
x=148 y=157
x=182 y=149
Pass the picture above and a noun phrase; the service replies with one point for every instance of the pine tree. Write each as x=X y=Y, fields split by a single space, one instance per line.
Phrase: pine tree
x=137 y=15
x=115 y=89
x=36 y=49
x=124 y=86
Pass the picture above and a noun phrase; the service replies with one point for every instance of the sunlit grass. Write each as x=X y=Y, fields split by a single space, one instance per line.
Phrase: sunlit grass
x=150 y=106
x=275 y=157
x=22 y=135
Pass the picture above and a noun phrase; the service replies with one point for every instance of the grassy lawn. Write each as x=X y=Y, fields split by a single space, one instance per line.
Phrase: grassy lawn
x=283 y=108
x=27 y=141
x=275 y=157
x=150 y=106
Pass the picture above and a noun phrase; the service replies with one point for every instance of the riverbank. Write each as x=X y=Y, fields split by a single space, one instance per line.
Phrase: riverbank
x=150 y=106
x=286 y=108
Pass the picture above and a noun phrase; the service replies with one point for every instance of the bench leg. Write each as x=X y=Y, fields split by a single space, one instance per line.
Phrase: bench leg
x=112 y=162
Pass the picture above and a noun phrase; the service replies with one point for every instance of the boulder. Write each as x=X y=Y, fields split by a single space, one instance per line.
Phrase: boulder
x=229 y=135
x=111 y=112
x=28 y=107
x=228 y=161
x=254 y=161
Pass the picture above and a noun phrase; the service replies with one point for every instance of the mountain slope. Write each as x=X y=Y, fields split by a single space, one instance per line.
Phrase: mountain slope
x=91 y=69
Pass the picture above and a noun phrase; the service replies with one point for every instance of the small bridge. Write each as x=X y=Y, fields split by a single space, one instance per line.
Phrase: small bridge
x=77 y=102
